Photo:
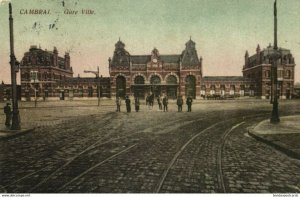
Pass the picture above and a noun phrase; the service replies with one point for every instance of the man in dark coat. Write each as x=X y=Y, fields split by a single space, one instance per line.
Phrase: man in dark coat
x=165 y=103
x=189 y=101
x=127 y=101
x=137 y=104
x=159 y=102
x=179 y=103
x=7 y=111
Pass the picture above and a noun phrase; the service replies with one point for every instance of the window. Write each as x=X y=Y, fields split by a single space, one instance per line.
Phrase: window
x=267 y=74
x=139 y=80
x=172 y=80
x=288 y=74
x=155 y=80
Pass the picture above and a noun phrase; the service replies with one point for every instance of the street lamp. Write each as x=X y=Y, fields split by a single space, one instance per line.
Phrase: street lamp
x=33 y=80
x=275 y=56
x=98 y=79
x=14 y=67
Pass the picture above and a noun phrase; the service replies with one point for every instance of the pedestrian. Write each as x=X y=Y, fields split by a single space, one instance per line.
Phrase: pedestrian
x=189 y=101
x=147 y=100
x=7 y=111
x=151 y=100
x=118 y=103
x=159 y=102
x=137 y=104
x=165 y=103
x=179 y=103
x=127 y=101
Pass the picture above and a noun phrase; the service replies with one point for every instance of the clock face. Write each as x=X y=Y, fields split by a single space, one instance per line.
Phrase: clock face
x=154 y=60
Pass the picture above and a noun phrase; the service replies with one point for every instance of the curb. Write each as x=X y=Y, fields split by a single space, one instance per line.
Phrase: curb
x=279 y=146
x=16 y=134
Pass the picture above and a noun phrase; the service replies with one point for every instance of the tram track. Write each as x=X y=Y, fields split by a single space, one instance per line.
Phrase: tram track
x=93 y=167
x=107 y=140
x=107 y=121
x=102 y=141
x=219 y=154
x=117 y=154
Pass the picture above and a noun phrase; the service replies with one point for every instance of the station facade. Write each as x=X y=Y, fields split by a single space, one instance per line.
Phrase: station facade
x=139 y=75
x=160 y=74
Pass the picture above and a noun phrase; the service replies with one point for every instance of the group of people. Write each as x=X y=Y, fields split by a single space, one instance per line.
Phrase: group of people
x=128 y=104
x=162 y=103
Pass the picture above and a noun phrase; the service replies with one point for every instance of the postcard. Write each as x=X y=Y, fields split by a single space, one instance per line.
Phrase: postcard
x=127 y=96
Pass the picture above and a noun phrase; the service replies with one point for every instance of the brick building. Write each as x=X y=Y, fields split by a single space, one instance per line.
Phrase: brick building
x=5 y=92
x=138 y=75
x=54 y=78
x=226 y=87
x=181 y=74
x=258 y=68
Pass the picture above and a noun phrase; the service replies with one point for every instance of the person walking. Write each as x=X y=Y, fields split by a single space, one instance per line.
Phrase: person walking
x=159 y=101
x=127 y=101
x=189 y=101
x=165 y=103
x=118 y=103
x=151 y=100
x=179 y=103
x=7 y=111
x=137 y=104
x=147 y=101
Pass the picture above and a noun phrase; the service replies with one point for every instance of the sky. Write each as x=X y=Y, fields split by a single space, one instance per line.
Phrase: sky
x=222 y=29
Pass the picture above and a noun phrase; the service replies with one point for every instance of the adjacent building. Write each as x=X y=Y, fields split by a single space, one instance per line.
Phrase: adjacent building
x=47 y=76
x=258 y=68
x=226 y=87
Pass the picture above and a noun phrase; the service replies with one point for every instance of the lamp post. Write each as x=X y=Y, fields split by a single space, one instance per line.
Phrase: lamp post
x=275 y=56
x=14 y=67
x=98 y=80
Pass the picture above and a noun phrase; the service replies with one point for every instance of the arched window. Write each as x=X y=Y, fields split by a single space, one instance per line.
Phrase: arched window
x=155 y=80
x=171 y=80
x=121 y=86
x=190 y=86
x=139 y=80
x=172 y=86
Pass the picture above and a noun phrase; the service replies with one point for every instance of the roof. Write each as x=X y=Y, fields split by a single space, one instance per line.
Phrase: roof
x=140 y=59
x=267 y=52
x=170 y=58
x=144 y=59
x=224 y=78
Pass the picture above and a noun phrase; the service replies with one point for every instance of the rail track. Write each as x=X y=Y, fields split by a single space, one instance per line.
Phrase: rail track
x=219 y=154
x=99 y=142
x=107 y=139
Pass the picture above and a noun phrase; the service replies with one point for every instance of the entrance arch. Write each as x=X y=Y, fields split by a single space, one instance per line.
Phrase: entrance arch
x=121 y=86
x=171 y=86
x=155 y=85
x=190 y=86
x=139 y=89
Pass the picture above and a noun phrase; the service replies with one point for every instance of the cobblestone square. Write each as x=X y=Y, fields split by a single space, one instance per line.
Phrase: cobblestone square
x=79 y=147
